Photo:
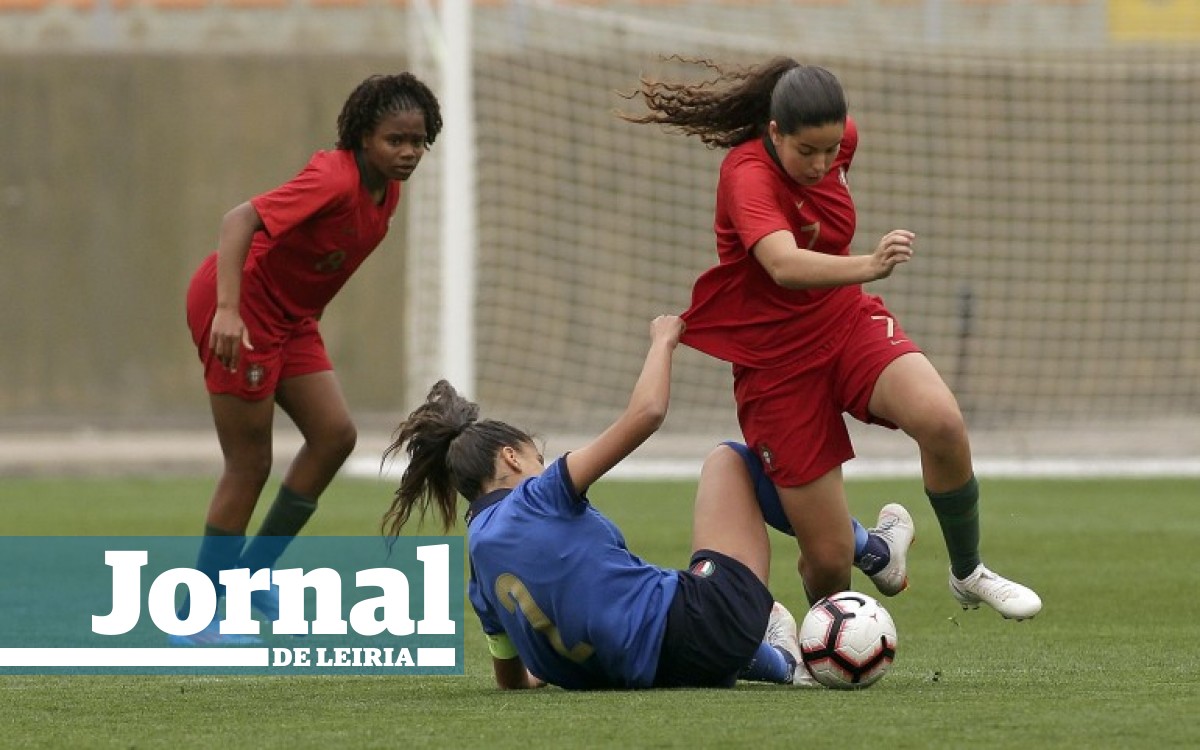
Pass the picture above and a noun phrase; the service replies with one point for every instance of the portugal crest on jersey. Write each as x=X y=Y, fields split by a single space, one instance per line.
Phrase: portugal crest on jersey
x=768 y=458
x=254 y=375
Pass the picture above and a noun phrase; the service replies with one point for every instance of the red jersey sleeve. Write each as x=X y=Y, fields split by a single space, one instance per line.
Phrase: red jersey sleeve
x=317 y=188
x=750 y=190
x=318 y=228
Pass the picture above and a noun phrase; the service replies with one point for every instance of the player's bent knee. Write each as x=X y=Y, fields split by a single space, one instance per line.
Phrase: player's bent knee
x=822 y=581
x=721 y=458
x=337 y=442
x=827 y=564
x=349 y=438
x=944 y=427
x=831 y=562
x=253 y=465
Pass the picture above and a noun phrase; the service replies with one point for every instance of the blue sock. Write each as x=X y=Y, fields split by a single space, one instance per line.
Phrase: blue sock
x=871 y=554
x=860 y=538
x=770 y=664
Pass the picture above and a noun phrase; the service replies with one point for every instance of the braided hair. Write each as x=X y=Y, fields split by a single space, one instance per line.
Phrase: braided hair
x=736 y=105
x=450 y=451
x=381 y=95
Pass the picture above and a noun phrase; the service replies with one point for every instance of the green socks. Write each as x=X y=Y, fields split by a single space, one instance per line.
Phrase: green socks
x=286 y=517
x=287 y=514
x=957 y=513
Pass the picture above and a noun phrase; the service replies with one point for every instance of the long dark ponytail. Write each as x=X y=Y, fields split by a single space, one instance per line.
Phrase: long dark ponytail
x=450 y=451
x=736 y=105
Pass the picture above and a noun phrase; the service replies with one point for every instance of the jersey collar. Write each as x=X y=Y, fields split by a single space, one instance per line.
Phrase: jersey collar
x=771 y=152
x=483 y=503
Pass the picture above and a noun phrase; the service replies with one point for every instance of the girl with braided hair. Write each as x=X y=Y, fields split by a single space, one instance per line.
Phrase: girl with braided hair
x=785 y=306
x=253 y=307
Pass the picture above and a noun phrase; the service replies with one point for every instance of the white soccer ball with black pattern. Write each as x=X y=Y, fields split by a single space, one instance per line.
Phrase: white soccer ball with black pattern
x=848 y=641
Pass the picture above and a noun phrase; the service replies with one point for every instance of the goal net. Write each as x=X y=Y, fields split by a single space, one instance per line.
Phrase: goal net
x=1053 y=181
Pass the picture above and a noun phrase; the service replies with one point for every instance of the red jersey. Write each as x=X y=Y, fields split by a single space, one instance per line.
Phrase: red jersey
x=319 y=227
x=738 y=312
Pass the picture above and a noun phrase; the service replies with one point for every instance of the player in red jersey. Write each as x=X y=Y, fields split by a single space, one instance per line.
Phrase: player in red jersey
x=786 y=307
x=253 y=308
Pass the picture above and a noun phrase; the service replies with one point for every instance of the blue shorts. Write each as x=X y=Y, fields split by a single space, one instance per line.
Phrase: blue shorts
x=764 y=489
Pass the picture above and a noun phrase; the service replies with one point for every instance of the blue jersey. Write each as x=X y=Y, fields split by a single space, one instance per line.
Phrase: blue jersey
x=555 y=575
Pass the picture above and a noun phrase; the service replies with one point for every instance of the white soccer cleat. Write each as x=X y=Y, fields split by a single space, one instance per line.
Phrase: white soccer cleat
x=895 y=527
x=802 y=679
x=783 y=633
x=1009 y=598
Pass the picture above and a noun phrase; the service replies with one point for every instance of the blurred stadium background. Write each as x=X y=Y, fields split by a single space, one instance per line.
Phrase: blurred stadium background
x=1046 y=152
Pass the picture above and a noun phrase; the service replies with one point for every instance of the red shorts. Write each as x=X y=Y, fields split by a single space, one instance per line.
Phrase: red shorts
x=284 y=347
x=792 y=416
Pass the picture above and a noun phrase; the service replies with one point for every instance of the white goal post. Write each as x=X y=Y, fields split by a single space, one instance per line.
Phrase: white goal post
x=444 y=346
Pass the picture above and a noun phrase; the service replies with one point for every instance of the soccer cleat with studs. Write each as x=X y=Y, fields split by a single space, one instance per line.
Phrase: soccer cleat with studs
x=1009 y=598
x=895 y=527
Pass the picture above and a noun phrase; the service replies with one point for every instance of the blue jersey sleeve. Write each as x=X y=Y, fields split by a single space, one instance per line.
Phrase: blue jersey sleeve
x=552 y=493
x=479 y=602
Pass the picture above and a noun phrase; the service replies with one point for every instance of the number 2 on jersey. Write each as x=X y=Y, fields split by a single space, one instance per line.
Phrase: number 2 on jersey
x=513 y=594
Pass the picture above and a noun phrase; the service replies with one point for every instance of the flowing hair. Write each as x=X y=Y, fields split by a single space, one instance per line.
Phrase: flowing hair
x=451 y=452
x=737 y=103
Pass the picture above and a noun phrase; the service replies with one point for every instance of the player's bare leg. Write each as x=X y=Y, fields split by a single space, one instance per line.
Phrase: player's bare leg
x=820 y=518
x=244 y=433
x=911 y=394
x=318 y=407
x=727 y=519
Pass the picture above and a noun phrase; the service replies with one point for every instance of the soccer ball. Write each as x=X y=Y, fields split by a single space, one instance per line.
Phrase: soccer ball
x=848 y=641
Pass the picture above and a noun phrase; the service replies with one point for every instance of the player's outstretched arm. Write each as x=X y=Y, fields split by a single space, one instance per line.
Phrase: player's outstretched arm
x=642 y=417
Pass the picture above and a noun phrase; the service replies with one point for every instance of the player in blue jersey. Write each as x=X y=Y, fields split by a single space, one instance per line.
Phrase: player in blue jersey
x=560 y=596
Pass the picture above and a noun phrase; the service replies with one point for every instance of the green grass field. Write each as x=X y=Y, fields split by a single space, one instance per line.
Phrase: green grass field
x=1113 y=661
